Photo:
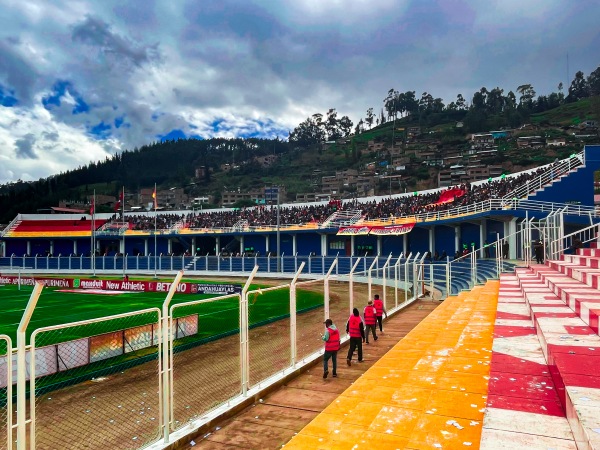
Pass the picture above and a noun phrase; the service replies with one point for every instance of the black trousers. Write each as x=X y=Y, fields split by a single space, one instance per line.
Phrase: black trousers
x=380 y=322
x=355 y=342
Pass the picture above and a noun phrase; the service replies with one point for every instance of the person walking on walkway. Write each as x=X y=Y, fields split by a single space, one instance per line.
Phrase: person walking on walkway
x=370 y=316
x=356 y=331
x=332 y=345
x=378 y=304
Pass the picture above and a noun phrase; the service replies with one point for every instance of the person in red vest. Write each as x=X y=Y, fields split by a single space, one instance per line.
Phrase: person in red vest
x=370 y=316
x=356 y=330
x=332 y=345
x=378 y=304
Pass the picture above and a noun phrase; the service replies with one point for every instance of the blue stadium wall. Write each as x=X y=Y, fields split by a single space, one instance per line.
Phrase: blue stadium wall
x=576 y=188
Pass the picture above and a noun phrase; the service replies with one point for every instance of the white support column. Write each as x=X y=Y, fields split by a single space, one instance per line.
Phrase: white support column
x=74 y=246
x=405 y=244
x=456 y=238
x=432 y=240
x=169 y=245
x=218 y=245
x=267 y=247
x=242 y=246
x=52 y=247
x=379 y=246
x=352 y=246
x=121 y=246
x=323 y=245
x=29 y=247
x=482 y=237
x=294 y=244
x=512 y=240
x=193 y=252
x=146 y=246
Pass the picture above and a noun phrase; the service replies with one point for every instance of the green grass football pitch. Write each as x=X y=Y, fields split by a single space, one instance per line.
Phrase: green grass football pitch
x=215 y=318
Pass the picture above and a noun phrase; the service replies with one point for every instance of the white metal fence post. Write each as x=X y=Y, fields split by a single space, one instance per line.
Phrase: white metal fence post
x=244 y=350
x=294 y=350
x=406 y=264
x=22 y=372
x=384 y=283
x=351 y=284
x=326 y=288
x=370 y=277
x=396 y=275
x=167 y=394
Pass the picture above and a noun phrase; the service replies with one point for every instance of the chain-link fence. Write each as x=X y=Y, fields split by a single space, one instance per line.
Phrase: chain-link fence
x=206 y=366
x=95 y=384
x=6 y=410
x=269 y=346
x=310 y=315
x=106 y=383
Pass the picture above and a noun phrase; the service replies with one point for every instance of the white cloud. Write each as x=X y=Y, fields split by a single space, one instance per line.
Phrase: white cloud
x=47 y=147
x=257 y=67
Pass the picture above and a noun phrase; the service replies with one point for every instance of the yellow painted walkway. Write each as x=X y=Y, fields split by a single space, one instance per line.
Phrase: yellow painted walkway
x=428 y=392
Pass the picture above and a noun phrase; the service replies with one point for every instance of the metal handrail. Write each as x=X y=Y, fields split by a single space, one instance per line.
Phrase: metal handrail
x=589 y=234
x=554 y=171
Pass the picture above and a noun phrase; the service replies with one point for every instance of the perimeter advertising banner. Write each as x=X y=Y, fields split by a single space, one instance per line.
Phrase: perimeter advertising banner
x=380 y=230
x=392 y=230
x=122 y=285
x=353 y=230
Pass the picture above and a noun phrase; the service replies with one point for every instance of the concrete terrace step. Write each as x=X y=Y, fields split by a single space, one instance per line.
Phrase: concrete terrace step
x=569 y=346
x=523 y=408
x=583 y=260
x=589 y=252
x=581 y=298
x=586 y=275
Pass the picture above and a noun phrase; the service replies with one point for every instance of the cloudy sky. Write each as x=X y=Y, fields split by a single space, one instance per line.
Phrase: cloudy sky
x=80 y=80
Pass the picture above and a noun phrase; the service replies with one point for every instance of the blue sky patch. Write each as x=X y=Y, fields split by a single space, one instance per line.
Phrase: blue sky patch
x=6 y=98
x=173 y=135
x=59 y=90
x=101 y=131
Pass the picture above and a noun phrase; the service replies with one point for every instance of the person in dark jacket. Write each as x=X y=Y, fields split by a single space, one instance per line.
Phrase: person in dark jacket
x=356 y=330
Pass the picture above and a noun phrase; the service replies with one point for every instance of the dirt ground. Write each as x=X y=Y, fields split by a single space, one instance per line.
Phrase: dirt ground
x=122 y=410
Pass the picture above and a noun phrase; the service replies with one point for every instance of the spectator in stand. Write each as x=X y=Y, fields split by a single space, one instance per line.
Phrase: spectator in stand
x=388 y=208
x=575 y=245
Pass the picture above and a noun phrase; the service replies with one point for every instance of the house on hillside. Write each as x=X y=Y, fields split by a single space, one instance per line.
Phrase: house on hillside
x=530 y=142
x=501 y=134
x=556 y=142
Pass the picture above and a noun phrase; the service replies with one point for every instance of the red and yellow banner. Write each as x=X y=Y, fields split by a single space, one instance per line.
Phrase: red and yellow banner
x=380 y=230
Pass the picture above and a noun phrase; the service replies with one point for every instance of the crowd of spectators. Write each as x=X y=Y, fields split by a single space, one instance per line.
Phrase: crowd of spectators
x=295 y=215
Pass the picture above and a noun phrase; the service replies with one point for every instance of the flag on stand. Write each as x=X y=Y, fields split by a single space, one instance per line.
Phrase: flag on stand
x=92 y=207
x=120 y=202
x=154 y=198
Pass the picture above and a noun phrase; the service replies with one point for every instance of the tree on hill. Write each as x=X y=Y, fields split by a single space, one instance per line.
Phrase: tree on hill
x=578 y=89
x=593 y=82
x=369 y=117
x=309 y=132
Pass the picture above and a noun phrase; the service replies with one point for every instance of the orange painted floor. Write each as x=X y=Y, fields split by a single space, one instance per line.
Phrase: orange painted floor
x=428 y=392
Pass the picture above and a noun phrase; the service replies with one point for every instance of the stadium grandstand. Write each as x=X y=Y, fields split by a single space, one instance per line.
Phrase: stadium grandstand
x=427 y=221
x=508 y=360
